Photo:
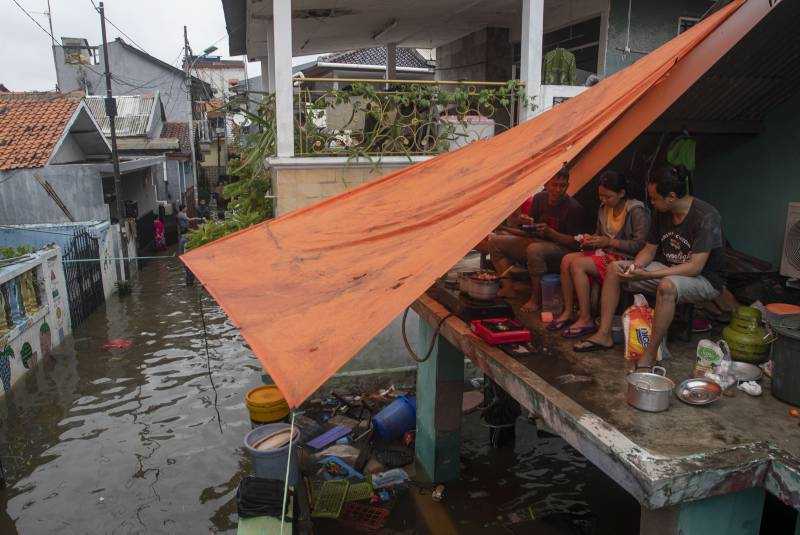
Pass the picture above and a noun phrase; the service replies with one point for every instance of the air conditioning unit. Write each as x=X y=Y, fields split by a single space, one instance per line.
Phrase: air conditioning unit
x=790 y=261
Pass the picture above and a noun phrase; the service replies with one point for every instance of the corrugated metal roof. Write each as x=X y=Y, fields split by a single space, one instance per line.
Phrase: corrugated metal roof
x=133 y=113
x=760 y=72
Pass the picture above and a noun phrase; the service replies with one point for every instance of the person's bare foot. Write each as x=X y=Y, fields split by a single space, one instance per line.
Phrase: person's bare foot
x=602 y=339
x=531 y=306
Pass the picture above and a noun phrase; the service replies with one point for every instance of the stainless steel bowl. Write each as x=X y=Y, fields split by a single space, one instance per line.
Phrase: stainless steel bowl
x=698 y=391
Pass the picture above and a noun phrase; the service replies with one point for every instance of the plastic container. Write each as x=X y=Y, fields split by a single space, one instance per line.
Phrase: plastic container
x=266 y=404
x=552 y=301
x=271 y=464
x=396 y=418
x=786 y=365
x=617 y=332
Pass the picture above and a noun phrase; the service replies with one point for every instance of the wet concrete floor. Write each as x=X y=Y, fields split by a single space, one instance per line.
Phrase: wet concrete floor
x=130 y=441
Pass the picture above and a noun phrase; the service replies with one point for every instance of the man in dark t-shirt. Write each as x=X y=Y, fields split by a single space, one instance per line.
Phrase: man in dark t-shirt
x=554 y=220
x=681 y=263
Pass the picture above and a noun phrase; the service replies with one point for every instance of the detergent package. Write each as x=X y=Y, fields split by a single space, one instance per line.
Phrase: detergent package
x=637 y=324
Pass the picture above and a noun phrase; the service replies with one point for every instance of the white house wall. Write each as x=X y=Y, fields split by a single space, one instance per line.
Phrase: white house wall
x=42 y=331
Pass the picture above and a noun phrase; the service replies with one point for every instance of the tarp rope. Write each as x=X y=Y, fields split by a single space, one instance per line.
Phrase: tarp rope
x=411 y=352
x=286 y=479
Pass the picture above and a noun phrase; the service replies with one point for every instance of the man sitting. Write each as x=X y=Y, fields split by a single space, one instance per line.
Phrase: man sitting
x=681 y=262
x=555 y=218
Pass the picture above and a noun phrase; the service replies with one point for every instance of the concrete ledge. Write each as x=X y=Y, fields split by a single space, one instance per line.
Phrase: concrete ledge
x=312 y=162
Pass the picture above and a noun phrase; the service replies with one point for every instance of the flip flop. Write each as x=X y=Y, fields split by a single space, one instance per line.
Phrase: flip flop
x=557 y=325
x=590 y=347
x=579 y=332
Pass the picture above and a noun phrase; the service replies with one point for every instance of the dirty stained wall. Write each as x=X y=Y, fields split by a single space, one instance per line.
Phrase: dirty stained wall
x=756 y=175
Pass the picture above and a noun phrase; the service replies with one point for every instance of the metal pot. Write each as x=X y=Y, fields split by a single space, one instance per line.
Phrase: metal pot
x=483 y=290
x=649 y=391
x=463 y=280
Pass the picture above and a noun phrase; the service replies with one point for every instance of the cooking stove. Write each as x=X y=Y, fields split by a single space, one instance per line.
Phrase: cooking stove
x=467 y=308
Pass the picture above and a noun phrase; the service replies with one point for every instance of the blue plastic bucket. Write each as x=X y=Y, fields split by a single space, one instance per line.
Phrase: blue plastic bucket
x=396 y=418
x=271 y=463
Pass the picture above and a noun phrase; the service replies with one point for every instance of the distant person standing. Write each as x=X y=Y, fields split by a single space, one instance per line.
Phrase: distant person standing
x=202 y=209
x=158 y=233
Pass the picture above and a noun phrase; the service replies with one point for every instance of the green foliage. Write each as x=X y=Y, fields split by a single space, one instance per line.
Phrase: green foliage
x=248 y=201
x=13 y=252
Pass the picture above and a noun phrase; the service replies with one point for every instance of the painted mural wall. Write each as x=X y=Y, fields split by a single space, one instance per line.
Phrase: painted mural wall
x=34 y=313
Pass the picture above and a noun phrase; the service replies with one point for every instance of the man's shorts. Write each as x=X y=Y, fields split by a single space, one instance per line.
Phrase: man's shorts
x=690 y=289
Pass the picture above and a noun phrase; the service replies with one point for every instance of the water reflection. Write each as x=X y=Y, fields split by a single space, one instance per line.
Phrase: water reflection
x=128 y=441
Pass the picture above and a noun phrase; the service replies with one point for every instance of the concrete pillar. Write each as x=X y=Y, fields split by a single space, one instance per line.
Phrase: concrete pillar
x=391 y=61
x=268 y=64
x=440 y=389
x=531 y=53
x=738 y=513
x=282 y=37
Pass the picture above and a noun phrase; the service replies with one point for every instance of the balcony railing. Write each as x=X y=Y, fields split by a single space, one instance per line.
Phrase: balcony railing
x=362 y=118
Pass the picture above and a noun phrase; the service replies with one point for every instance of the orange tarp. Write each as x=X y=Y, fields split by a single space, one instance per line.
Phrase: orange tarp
x=311 y=288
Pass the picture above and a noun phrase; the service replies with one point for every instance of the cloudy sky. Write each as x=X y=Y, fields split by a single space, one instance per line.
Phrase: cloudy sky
x=26 y=62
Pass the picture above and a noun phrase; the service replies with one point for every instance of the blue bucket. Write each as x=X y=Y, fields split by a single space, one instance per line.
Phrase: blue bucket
x=396 y=418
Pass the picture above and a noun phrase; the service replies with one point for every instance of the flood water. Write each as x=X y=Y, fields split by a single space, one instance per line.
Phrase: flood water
x=132 y=441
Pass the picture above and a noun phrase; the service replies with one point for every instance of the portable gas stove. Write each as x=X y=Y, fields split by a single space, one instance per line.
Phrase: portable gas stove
x=467 y=308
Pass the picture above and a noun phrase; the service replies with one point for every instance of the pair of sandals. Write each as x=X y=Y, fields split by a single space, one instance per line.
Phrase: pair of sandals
x=584 y=346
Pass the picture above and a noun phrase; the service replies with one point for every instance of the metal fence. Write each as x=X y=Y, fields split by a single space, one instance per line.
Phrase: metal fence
x=84 y=279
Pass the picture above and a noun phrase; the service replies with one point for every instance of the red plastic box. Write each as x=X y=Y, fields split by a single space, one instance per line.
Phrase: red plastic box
x=489 y=330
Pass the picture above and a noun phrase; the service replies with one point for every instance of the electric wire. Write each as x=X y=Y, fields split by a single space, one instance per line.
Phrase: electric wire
x=208 y=357
x=140 y=47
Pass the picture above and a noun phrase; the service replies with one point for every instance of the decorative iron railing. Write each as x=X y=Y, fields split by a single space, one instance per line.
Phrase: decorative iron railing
x=373 y=118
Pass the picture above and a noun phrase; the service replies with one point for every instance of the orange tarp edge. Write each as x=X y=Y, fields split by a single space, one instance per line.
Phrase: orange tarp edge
x=308 y=290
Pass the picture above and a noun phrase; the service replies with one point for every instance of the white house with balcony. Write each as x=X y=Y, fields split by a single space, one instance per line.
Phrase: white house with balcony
x=489 y=60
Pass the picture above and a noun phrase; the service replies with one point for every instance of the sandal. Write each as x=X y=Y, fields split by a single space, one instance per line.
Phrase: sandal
x=589 y=346
x=579 y=332
x=557 y=325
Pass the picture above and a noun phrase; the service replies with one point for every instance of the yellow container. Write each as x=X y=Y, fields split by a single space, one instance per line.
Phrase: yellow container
x=266 y=404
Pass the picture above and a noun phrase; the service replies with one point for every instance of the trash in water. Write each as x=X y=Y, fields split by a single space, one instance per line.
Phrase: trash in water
x=328 y=437
x=408 y=438
x=572 y=378
x=393 y=457
x=118 y=343
x=438 y=493
x=362 y=517
x=330 y=498
x=347 y=453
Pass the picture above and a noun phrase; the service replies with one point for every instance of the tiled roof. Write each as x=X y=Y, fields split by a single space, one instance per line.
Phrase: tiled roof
x=179 y=131
x=30 y=126
x=377 y=55
x=133 y=113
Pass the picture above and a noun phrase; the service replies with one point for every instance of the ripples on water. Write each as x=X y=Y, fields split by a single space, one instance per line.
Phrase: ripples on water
x=127 y=441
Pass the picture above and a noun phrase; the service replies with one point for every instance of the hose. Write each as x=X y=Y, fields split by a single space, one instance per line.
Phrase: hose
x=411 y=352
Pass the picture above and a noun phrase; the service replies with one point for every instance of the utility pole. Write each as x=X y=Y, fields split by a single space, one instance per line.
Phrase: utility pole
x=188 y=67
x=50 y=20
x=111 y=111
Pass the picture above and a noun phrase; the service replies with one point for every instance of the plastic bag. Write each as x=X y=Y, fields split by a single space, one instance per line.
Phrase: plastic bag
x=637 y=324
x=709 y=355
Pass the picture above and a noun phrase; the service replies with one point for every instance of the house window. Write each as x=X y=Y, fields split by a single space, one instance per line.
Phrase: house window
x=684 y=23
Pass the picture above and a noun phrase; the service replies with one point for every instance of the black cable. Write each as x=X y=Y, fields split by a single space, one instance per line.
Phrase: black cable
x=120 y=30
x=433 y=338
x=208 y=356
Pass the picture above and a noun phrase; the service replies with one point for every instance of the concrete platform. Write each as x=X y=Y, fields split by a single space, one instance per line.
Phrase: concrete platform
x=664 y=460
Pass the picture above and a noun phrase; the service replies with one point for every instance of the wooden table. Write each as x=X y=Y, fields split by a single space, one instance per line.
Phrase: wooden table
x=693 y=470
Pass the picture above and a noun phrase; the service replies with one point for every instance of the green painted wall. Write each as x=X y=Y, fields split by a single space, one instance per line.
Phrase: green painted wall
x=653 y=23
x=753 y=181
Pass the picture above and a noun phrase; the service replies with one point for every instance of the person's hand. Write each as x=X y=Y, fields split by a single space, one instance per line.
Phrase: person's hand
x=543 y=230
x=525 y=219
x=596 y=242
x=634 y=273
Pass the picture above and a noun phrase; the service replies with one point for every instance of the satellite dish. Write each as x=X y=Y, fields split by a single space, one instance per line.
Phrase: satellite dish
x=241 y=120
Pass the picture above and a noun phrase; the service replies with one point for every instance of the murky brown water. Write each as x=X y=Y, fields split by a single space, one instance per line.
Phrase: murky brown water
x=129 y=441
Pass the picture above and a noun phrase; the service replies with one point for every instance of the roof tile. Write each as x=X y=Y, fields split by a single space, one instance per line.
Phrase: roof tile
x=30 y=126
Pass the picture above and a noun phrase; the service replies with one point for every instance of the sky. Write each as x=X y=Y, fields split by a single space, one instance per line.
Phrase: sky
x=26 y=63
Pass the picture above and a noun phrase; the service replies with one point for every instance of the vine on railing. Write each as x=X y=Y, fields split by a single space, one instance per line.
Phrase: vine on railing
x=414 y=118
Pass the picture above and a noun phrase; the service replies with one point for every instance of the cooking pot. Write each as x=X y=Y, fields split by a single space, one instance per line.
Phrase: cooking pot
x=463 y=280
x=482 y=289
x=649 y=391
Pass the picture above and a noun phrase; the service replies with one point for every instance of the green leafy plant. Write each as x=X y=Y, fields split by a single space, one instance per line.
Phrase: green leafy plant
x=14 y=252
x=248 y=197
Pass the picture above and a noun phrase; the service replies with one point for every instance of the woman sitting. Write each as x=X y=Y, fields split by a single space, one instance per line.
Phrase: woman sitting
x=622 y=227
